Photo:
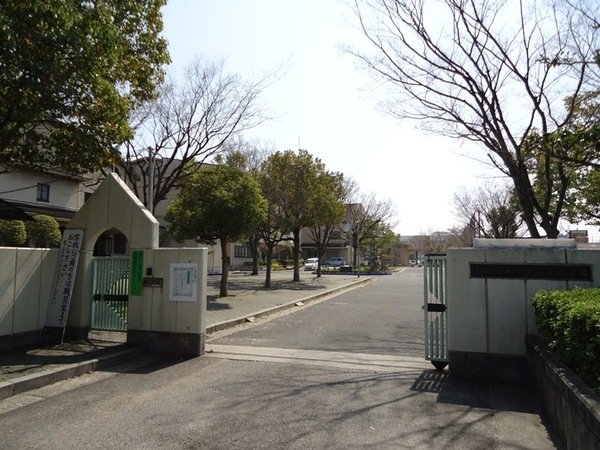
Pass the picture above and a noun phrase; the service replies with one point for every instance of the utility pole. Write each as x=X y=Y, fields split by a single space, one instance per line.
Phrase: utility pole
x=150 y=205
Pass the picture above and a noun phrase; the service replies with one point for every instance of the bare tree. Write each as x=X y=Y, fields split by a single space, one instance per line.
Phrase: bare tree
x=438 y=242
x=430 y=243
x=365 y=217
x=490 y=72
x=189 y=122
x=489 y=212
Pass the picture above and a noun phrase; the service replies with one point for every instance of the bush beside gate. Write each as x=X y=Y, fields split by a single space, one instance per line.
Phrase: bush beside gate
x=570 y=320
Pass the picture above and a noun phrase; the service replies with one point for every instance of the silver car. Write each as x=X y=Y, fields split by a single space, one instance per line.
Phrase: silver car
x=336 y=261
x=311 y=264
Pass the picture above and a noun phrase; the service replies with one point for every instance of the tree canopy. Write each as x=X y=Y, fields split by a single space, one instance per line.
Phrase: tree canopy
x=488 y=211
x=292 y=184
x=44 y=231
x=193 y=119
x=70 y=72
x=12 y=233
x=217 y=203
x=494 y=73
x=368 y=217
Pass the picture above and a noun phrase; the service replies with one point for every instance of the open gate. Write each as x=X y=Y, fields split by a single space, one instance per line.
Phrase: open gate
x=110 y=293
x=435 y=310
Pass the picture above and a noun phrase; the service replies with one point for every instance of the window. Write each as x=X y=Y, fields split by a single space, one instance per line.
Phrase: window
x=43 y=192
x=242 y=251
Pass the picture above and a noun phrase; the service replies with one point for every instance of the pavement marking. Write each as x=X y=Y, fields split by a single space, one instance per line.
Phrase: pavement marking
x=362 y=361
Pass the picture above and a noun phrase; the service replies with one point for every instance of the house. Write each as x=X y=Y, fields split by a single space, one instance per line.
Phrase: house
x=53 y=192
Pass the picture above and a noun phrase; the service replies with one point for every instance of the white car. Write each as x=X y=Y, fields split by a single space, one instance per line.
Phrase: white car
x=311 y=264
x=336 y=261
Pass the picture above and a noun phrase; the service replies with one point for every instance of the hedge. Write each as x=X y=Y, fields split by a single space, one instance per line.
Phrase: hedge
x=570 y=320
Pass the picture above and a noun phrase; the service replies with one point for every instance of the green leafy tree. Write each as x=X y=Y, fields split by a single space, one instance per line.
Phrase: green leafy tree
x=44 y=231
x=12 y=233
x=290 y=181
x=249 y=156
x=272 y=230
x=70 y=73
x=379 y=246
x=272 y=233
x=221 y=203
x=575 y=149
x=327 y=209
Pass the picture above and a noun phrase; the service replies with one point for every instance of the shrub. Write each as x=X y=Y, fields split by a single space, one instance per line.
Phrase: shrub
x=285 y=263
x=570 y=320
x=12 y=233
x=44 y=232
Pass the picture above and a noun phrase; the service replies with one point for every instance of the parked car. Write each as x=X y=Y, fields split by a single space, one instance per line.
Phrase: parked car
x=336 y=261
x=311 y=264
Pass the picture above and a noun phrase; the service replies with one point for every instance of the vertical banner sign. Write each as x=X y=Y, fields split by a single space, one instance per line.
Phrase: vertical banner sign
x=66 y=268
x=137 y=272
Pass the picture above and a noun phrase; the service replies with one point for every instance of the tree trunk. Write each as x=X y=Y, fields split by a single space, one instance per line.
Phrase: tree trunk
x=296 y=251
x=320 y=251
x=225 y=260
x=255 y=255
x=523 y=190
x=269 y=260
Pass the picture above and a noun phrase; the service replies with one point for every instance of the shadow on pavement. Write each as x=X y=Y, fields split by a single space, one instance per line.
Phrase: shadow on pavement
x=477 y=394
x=212 y=305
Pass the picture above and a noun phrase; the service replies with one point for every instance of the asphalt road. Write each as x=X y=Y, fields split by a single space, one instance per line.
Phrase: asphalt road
x=343 y=373
x=383 y=317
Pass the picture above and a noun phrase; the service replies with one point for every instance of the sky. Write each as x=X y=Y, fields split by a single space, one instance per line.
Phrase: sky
x=325 y=104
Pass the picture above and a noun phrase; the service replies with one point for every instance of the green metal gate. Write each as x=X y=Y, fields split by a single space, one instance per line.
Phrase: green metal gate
x=110 y=293
x=435 y=309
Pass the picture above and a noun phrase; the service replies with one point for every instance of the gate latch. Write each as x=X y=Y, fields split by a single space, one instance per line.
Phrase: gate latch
x=436 y=307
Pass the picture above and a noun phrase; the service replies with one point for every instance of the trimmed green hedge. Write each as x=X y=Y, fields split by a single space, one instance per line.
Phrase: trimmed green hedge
x=570 y=320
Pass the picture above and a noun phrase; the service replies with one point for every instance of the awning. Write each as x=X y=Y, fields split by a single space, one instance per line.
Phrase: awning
x=9 y=211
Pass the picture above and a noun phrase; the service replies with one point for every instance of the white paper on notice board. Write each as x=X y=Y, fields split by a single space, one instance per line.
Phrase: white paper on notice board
x=183 y=282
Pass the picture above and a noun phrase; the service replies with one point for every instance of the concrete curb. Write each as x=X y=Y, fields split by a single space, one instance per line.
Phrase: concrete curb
x=51 y=376
x=265 y=312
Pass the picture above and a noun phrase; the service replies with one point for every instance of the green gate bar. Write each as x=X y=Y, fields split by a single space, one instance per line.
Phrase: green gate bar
x=110 y=293
x=434 y=308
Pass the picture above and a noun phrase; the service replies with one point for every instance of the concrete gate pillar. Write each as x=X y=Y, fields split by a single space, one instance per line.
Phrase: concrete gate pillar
x=113 y=205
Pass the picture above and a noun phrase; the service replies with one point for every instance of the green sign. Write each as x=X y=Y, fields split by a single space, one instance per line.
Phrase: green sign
x=137 y=272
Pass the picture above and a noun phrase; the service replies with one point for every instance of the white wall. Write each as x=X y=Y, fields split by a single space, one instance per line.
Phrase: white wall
x=153 y=311
x=26 y=277
x=493 y=315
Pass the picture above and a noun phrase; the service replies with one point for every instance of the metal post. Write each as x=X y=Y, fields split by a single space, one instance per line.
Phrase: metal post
x=358 y=249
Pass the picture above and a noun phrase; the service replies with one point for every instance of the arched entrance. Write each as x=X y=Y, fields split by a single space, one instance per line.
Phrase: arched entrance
x=113 y=221
x=160 y=317
x=110 y=282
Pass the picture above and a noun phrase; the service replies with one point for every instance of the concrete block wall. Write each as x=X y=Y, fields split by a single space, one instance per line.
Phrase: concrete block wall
x=162 y=325
x=488 y=318
x=26 y=277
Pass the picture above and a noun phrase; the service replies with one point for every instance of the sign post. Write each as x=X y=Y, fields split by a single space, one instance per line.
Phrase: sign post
x=64 y=279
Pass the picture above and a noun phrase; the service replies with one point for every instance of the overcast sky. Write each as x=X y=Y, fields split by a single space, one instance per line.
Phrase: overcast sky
x=324 y=103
